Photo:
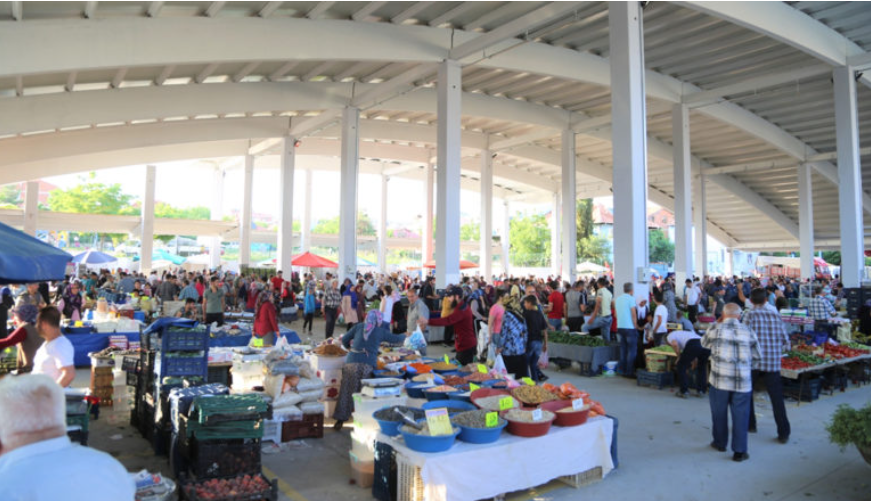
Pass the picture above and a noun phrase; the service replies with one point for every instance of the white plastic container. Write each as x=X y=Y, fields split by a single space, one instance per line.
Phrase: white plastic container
x=321 y=363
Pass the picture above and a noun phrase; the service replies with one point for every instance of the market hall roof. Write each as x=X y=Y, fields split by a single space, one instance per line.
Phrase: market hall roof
x=87 y=85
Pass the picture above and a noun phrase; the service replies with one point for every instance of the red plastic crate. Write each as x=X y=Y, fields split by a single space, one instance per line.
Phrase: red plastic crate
x=311 y=426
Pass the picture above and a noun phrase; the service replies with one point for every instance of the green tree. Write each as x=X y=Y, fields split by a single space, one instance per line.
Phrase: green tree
x=584 y=218
x=470 y=231
x=10 y=195
x=832 y=257
x=660 y=248
x=595 y=249
x=530 y=240
x=89 y=198
x=331 y=226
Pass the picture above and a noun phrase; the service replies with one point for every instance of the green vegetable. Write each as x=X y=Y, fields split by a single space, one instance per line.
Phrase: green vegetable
x=663 y=349
x=850 y=426
x=561 y=337
x=805 y=357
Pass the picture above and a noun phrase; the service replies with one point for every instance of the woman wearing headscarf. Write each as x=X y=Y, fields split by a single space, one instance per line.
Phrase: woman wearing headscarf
x=71 y=302
x=265 y=319
x=362 y=342
x=349 y=305
x=513 y=336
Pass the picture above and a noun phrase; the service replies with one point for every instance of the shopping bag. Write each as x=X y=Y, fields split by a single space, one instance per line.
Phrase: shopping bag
x=499 y=365
x=543 y=360
x=416 y=341
x=491 y=354
x=483 y=337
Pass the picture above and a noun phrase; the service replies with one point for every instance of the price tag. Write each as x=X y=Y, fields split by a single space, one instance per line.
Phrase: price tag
x=506 y=403
x=492 y=419
x=482 y=368
x=578 y=404
x=439 y=422
x=528 y=381
x=536 y=415
x=357 y=399
x=473 y=387
x=447 y=359
x=257 y=342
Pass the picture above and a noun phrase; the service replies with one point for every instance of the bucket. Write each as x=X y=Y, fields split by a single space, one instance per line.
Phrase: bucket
x=610 y=368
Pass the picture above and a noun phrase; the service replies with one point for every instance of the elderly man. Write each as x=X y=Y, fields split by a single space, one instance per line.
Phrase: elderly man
x=55 y=357
x=773 y=342
x=31 y=296
x=33 y=438
x=330 y=307
x=734 y=352
x=821 y=311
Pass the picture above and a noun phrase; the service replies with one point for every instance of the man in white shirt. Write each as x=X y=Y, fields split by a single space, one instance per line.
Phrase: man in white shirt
x=55 y=357
x=690 y=353
x=659 y=325
x=692 y=296
x=37 y=460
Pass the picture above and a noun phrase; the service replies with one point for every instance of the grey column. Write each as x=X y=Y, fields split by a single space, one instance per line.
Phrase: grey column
x=348 y=203
x=146 y=235
x=486 y=236
x=448 y=197
x=31 y=207
x=286 y=172
x=683 y=194
x=569 y=209
x=806 y=221
x=849 y=178
x=245 y=220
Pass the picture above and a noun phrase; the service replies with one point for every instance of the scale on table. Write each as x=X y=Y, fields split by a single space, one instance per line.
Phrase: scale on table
x=382 y=387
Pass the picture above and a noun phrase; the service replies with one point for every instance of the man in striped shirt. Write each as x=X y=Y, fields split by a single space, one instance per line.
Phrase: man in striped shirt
x=773 y=341
x=734 y=352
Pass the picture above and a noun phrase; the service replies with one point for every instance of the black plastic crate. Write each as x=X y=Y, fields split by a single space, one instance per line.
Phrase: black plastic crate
x=658 y=379
x=224 y=458
x=187 y=491
x=184 y=366
x=219 y=374
x=78 y=435
x=185 y=340
x=132 y=379
x=809 y=393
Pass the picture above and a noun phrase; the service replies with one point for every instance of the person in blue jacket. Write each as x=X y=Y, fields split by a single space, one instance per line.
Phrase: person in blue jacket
x=309 y=309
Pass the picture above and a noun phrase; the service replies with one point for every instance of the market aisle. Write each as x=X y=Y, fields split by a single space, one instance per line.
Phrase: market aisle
x=662 y=439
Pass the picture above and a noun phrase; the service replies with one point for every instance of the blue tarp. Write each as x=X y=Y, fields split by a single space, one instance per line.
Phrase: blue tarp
x=24 y=259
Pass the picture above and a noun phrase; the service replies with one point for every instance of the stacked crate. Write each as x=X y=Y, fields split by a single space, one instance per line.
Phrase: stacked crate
x=180 y=401
x=222 y=435
x=329 y=370
x=103 y=380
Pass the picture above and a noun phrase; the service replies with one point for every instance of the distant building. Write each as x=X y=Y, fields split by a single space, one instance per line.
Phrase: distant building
x=45 y=190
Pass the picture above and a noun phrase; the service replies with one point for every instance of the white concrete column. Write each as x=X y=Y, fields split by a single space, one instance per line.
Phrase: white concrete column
x=683 y=194
x=806 y=221
x=286 y=169
x=307 y=212
x=555 y=255
x=448 y=197
x=217 y=214
x=348 y=191
x=146 y=235
x=429 y=187
x=506 y=239
x=569 y=208
x=382 y=227
x=31 y=207
x=700 y=224
x=730 y=262
x=629 y=118
x=245 y=220
x=849 y=178
x=486 y=236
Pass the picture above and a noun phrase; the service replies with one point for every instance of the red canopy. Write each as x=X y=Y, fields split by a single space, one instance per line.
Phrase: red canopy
x=464 y=265
x=309 y=260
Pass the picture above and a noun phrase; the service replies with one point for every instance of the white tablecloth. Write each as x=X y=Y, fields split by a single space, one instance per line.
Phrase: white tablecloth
x=468 y=472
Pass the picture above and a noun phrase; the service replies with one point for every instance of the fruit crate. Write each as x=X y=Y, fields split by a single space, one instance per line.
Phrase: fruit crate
x=224 y=458
x=132 y=379
x=130 y=363
x=219 y=374
x=658 y=379
x=185 y=340
x=188 y=490
x=311 y=426
x=658 y=362
x=184 y=366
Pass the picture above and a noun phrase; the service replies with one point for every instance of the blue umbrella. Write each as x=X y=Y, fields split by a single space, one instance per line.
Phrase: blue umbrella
x=93 y=257
x=24 y=259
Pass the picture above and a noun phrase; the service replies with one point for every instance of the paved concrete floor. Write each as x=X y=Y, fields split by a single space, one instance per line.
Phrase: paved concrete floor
x=663 y=451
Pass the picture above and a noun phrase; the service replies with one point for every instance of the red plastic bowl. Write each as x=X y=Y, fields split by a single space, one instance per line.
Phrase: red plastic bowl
x=566 y=418
x=487 y=392
x=529 y=430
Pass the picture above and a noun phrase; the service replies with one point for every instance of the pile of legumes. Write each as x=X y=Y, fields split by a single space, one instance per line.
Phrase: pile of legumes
x=533 y=395
x=473 y=419
x=424 y=430
x=391 y=414
x=492 y=403
x=527 y=416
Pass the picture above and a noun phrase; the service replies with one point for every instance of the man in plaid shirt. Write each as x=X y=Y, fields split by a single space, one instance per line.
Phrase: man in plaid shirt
x=330 y=307
x=821 y=310
x=734 y=352
x=773 y=341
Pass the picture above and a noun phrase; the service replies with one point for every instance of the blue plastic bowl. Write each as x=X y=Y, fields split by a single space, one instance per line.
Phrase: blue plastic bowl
x=424 y=443
x=389 y=428
x=463 y=396
x=481 y=435
x=453 y=406
x=436 y=395
x=415 y=390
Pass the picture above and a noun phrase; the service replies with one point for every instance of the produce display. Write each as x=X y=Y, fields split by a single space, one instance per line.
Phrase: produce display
x=424 y=430
x=567 y=391
x=492 y=403
x=840 y=352
x=442 y=366
x=533 y=395
x=454 y=381
x=561 y=337
x=865 y=349
x=418 y=367
x=477 y=377
x=218 y=489
x=528 y=416
x=391 y=374
x=391 y=414
x=423 y=378
x=442 y=389
x=330 y=350
x=474 y=419
x=665 y=348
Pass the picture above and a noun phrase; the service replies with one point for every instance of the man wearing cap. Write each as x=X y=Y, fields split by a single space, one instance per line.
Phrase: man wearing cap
x=462 y=321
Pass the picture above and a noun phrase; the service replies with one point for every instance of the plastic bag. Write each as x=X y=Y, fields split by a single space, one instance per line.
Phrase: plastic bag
x=307 y=384
x=286 y=367
x=285 y=400
x=415 y=341
x=499 y=365
x=483 y=338
x=311 y=396
x=312 y=408
x=543 y=360
x=491 y=354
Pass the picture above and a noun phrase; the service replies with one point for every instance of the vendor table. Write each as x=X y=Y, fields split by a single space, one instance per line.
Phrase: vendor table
x=802 y=374
x=468 y=472
x=89 y=343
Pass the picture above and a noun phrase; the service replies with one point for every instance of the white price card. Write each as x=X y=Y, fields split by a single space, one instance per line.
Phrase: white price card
x=536 y=415
x=578 y=404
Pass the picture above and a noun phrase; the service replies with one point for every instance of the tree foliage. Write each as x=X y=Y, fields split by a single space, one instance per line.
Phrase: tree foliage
x=10 y=195
x=470 y=231
x=530 y=240
x=331 y=226
x=595 y=249
x=90 y=198
x=660 y=248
